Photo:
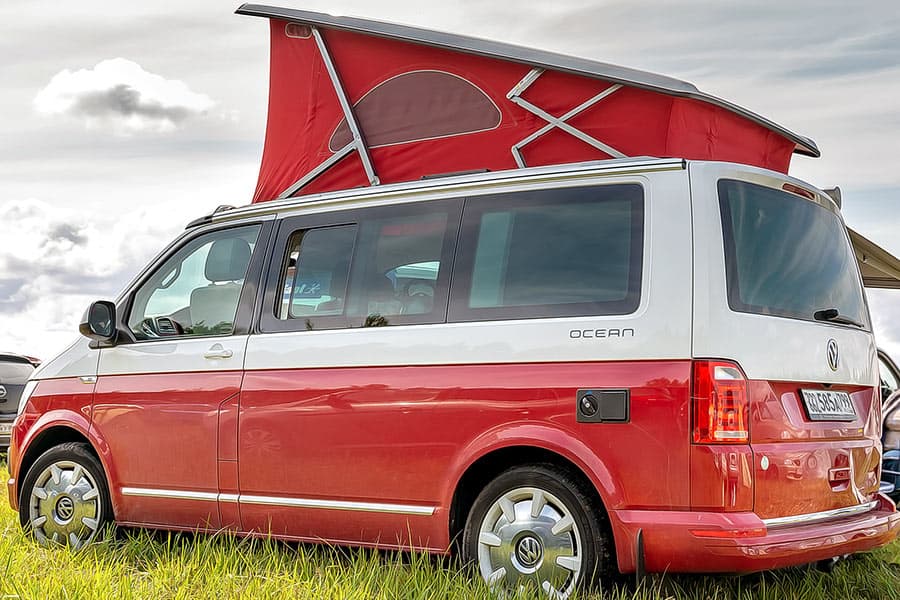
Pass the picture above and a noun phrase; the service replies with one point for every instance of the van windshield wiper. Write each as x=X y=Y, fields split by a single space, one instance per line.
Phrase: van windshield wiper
x=833 y=316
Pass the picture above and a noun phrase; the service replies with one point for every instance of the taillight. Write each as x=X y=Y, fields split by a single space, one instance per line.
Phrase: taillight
x=721 y=403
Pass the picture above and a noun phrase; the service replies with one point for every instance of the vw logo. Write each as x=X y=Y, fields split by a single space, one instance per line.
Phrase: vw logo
x=65 y=508
x=833 y=356
x=2 y=392
x=528 y=551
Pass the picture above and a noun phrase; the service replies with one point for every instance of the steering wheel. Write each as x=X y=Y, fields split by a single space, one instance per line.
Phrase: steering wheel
x=148 y=328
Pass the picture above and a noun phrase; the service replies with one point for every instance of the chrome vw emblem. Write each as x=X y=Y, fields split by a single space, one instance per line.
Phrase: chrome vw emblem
x=833 y=356
x=65 y=508
x=2 y=392
x=528 y=551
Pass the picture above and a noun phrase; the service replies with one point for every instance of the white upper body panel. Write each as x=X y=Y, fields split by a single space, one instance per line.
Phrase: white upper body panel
x=184 y=355
x=78 y=360
x=660 y=328
x=683 y=311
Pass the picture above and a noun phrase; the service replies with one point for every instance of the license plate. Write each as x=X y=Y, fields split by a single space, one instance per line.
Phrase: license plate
x=5 y=428
x=827 y=405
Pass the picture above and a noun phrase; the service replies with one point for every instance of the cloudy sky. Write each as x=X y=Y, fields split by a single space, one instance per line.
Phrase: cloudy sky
x=120 y=122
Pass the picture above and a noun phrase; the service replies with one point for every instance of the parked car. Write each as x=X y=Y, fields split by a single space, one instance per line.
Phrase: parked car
x=14 y=373
x=890 y=394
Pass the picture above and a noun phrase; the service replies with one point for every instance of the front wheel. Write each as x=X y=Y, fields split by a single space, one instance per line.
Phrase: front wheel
x=64 y=497
x=536 y=528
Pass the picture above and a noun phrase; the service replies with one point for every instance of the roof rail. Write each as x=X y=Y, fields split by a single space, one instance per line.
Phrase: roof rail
x=208 y=218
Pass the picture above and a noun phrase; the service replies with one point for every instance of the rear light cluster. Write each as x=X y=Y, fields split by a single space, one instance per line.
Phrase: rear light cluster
x=721 y=403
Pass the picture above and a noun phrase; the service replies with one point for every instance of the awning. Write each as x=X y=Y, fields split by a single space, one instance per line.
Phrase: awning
x=880 y=268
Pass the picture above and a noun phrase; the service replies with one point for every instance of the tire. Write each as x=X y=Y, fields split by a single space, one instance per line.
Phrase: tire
x=565 y=547
x=64 y=498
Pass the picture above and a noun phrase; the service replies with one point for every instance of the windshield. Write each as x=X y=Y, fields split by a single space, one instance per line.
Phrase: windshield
x=786 y=255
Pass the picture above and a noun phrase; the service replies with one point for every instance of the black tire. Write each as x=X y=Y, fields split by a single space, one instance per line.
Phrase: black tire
x=590 y=534
x=85 y=514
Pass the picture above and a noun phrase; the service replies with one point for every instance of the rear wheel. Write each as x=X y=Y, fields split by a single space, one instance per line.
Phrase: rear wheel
x=535 y=528
x=65 y=498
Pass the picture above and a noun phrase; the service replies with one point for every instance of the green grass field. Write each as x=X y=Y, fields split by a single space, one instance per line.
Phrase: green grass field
x=140 y=564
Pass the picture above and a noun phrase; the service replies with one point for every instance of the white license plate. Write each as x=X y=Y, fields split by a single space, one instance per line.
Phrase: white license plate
x=827 y=405
x=5 y=428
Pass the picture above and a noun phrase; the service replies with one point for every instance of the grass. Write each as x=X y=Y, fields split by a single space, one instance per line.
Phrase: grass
x=142 y=564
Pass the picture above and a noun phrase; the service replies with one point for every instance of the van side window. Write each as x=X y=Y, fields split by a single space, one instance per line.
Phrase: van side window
x=398 y=269
x=317 y=272
x=370 y=267
x=550 y=253
x=196 y=291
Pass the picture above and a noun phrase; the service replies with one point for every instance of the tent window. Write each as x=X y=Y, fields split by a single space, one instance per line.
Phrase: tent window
x=416 y=106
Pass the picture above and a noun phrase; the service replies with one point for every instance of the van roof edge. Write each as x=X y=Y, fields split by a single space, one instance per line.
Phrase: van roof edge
x=630 y=164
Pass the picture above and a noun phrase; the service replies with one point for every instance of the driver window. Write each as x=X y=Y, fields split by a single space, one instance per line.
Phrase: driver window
x=196 y=291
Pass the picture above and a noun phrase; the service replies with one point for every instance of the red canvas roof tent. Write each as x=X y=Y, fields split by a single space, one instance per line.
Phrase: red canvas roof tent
x=355 y=102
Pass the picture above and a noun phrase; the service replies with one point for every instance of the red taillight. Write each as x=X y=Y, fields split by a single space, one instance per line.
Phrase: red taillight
x=721 y=403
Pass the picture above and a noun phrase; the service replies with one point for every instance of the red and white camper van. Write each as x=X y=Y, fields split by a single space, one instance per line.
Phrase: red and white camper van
x=616 y=364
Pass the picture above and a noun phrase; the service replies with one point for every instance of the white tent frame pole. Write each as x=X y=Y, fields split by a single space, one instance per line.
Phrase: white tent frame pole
x=514 y=95
x=324 y=166
x=358 y=142
x=345 y=106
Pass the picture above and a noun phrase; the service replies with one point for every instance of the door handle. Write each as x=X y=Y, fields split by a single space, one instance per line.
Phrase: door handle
x=217 y=351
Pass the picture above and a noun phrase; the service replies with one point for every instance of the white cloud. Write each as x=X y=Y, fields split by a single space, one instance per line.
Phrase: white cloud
x=55 y=261
x=120 y=92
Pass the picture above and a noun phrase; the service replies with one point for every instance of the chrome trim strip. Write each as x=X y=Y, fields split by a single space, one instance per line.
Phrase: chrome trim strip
x=173 y=494
x=819 y=517
x=400 y=509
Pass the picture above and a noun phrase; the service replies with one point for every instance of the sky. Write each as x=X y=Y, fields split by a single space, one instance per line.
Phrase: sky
x=120 y=122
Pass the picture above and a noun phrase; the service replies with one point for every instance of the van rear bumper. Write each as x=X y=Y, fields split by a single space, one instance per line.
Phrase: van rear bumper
x=702 y=542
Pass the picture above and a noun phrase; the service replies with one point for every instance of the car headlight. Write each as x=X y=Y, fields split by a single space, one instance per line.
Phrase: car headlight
x=26 y=395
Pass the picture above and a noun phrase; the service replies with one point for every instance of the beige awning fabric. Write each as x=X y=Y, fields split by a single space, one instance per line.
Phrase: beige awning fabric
x=880 y=268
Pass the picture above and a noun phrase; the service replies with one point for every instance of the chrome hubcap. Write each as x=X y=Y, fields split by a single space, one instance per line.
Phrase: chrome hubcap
x=529 y=540
x=64 y=506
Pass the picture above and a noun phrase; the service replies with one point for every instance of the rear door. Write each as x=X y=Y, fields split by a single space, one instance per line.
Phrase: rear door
x=773 y=265
x=160 y=392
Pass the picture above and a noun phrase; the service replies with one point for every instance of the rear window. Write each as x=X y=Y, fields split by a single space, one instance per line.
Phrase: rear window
x=786 y=256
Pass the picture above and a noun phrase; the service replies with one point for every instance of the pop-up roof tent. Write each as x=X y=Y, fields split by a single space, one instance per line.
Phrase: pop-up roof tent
x=354 y=102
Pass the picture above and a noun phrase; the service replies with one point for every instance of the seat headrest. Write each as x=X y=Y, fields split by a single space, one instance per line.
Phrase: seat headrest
x=227 y=260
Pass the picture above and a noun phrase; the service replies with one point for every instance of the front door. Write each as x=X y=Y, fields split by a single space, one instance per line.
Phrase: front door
x=160 y=390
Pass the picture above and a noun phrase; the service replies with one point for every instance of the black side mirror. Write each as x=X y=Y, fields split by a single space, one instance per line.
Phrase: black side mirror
x=99 y=321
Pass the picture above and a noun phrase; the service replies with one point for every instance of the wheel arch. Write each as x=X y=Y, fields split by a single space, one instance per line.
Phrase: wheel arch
x=492 y=462
x=49 y=437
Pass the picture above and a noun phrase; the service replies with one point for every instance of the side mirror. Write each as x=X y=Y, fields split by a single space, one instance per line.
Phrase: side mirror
x=99 y=321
